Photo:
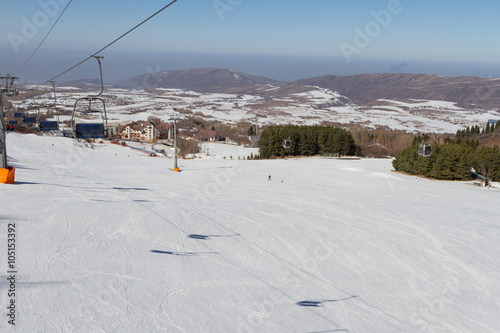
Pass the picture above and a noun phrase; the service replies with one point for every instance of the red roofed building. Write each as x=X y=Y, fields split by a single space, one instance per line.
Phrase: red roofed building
x=208 y=135
x=147 y=130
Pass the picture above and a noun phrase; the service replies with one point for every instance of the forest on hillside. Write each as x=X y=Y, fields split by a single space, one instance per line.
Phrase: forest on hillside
x=305 y=141
x=451 y=160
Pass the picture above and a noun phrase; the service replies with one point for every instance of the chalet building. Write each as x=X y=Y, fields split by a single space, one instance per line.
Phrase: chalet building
x=208 y=135
x=147 y=130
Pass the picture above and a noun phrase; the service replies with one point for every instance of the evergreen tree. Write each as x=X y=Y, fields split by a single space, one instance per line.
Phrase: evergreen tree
x=305 y=140
x=451 y=161
x=321 y=142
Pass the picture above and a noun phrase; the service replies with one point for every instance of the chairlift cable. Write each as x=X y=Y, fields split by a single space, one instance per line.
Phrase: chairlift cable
x=43 y=40
x=117 y=39
x=138 y=25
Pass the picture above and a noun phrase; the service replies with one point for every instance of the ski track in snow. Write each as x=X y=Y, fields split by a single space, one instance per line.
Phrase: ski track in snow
x=119 y=243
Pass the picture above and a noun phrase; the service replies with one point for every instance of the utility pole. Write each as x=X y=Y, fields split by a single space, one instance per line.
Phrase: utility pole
x=3 y=150
x=9 y=91
x=175 y=118
x=194 y=142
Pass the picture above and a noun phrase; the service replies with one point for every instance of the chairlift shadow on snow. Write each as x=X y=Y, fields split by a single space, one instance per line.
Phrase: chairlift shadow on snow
x=27 y=183
x=18 y=167
x=182 y=254
x=92 y=189
x=130 y=188
x=133 y=200
x=318 y=304
x=338 y=330
x=7 y=219
x=4 y=283
x=207 y=237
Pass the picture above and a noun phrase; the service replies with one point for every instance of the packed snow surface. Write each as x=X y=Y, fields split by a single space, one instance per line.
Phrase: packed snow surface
x=111 y=240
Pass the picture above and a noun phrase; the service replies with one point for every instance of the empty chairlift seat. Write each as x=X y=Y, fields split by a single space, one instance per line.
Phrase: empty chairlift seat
x=48 y=126
x=90 y=131
x=18 y=115
x=29 y=120
x=12 y=122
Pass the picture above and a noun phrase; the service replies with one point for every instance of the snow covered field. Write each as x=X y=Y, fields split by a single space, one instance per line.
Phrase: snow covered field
x=110 y=240
x=313 y=107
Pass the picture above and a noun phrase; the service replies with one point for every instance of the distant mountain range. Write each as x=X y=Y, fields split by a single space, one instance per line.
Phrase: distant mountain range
x=466 y=91
x=204 y=80
x=363 y=89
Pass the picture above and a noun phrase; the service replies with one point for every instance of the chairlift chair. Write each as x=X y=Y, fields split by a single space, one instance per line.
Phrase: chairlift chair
x=425 y=149
x=91 y=130
x=29 y=120
x=44 y=126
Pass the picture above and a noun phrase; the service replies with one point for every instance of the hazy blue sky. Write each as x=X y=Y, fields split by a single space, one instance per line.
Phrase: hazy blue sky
x=282 y=39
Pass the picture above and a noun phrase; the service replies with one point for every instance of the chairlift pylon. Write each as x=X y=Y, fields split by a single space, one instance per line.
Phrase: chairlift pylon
x=91 y=130
x=49 y=125
x=7 y=174
x=55 y=100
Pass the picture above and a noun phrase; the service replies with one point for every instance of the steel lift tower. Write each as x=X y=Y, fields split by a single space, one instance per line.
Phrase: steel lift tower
x=6 y=172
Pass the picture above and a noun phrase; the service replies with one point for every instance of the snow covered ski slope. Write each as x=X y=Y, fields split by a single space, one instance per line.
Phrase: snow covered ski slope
x=110 y=240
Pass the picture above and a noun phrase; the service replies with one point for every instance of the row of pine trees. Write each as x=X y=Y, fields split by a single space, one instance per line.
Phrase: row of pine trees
x=489 y=128
x=305 y=141
x=452 y=160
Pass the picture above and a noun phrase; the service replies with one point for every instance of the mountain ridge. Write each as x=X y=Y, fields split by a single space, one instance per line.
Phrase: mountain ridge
x=362 y=89
x=204 y=80
x=466 y=91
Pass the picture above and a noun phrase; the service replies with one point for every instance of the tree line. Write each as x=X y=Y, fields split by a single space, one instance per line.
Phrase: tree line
x=305 y=141
x=489 y=128
x=451 y=160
